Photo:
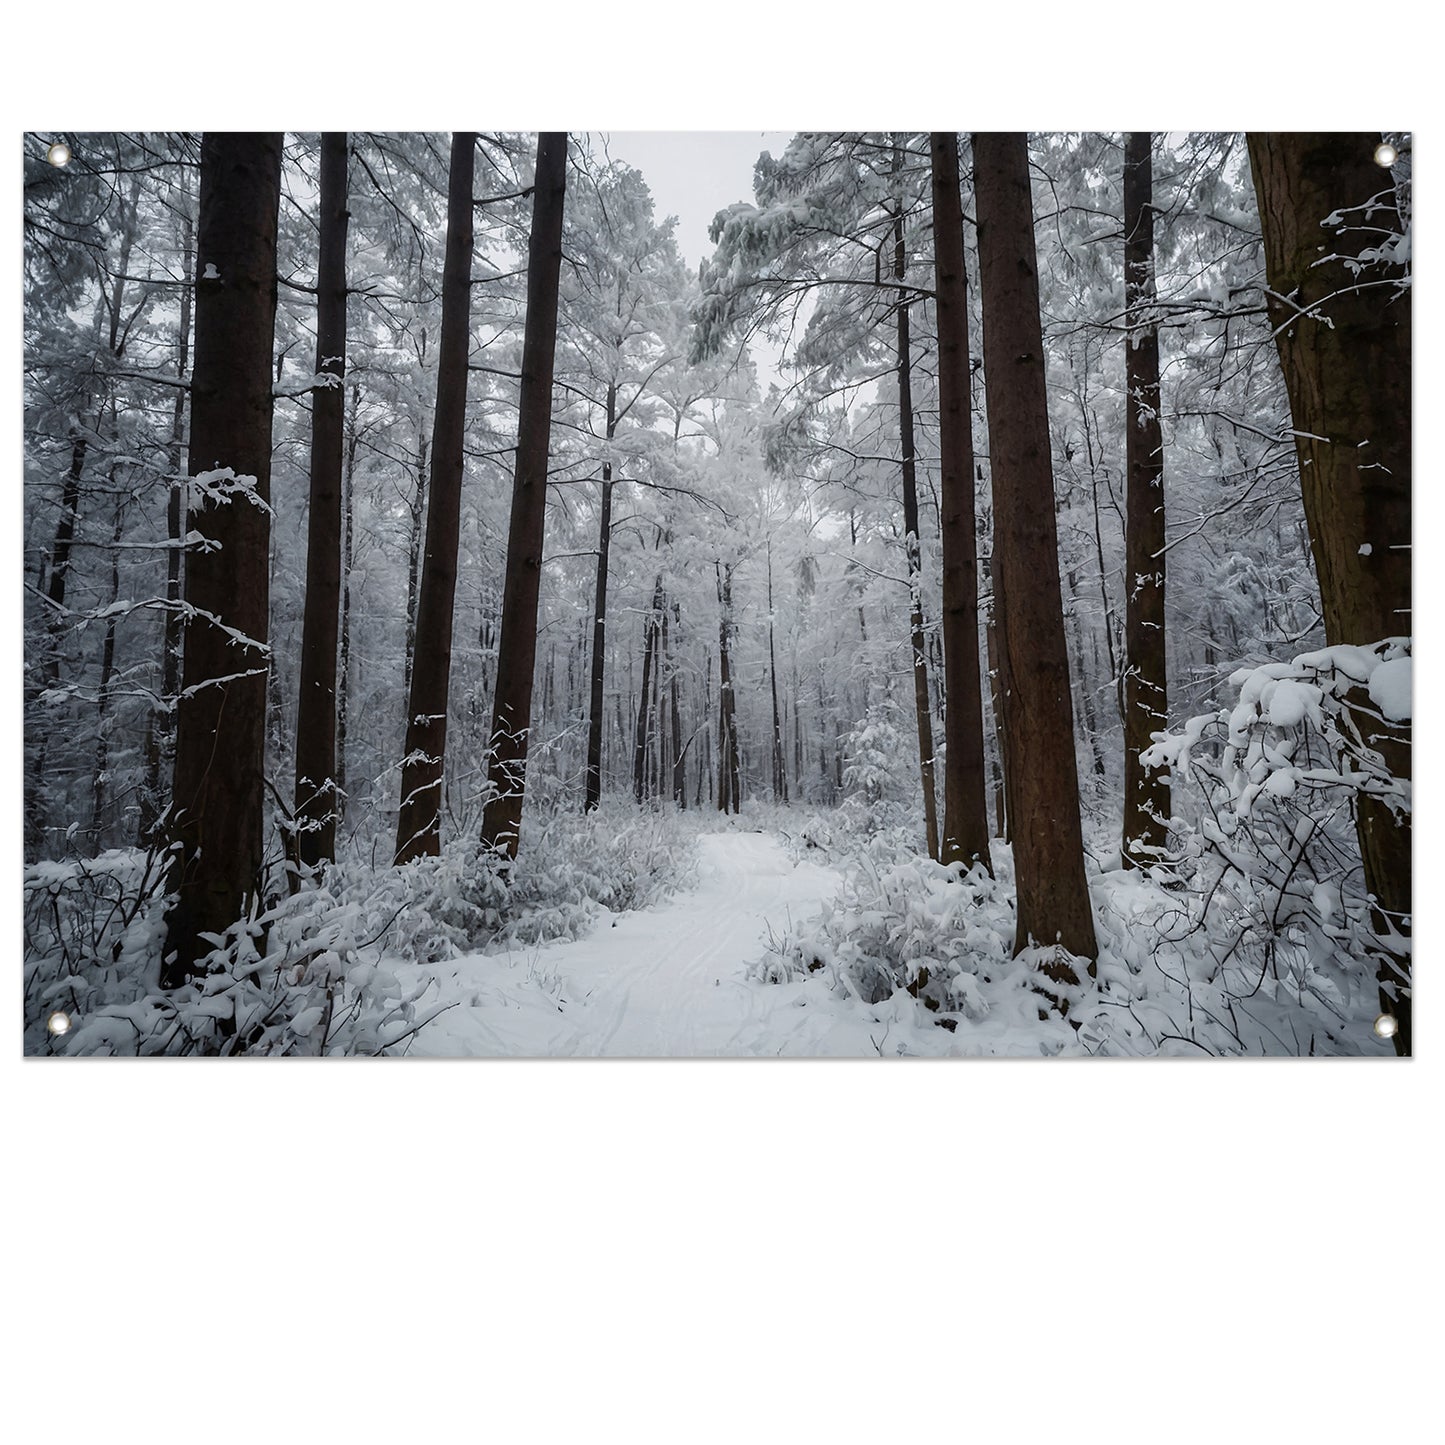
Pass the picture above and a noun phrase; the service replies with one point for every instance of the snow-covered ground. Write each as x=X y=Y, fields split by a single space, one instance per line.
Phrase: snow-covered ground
x=668 y=981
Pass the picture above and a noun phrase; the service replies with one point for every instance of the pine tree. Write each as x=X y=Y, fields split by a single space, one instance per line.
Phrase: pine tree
x=221 y=716
x=1146 y=693
x=1041 y=771
x=965 y=809
x=418 y=831
x=316 y=796
x=1339 y=300
x=517 y=646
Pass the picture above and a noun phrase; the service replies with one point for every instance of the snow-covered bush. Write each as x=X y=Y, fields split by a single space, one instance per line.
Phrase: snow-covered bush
x=310 y=973
x=1256 y=936
x=1272 y=855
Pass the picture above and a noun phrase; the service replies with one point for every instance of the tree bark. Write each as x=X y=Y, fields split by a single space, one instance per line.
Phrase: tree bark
x=517 y=648
x=221 y=715
x=100 y=787
x=780 y=775
x=1146 y=791
x=599 y=620
x=965 y=806
x=729 y=770
x=911 y=540
x=418 y=830
x=160 y=730
x=644 y=710
x=1343 y=329
x=414 y=551
x=343 y=665
x=1043 y=795
x=316 y=798
x=679 y=752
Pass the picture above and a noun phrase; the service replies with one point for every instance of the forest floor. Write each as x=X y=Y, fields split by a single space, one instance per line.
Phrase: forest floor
x=671 y=980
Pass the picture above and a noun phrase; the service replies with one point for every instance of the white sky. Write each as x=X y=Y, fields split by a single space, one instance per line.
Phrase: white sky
x=694 y=174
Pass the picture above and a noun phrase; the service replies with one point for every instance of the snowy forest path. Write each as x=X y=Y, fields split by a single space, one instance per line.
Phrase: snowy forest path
x=666 y=981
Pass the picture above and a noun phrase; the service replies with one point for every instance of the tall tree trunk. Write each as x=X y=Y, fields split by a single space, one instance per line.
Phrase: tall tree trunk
x=599 y=620
x=517 y=649
x=912 y=542
x=100 y=787
x=679 y=752
x=418 y=829
x=1343 y=333
x=414 y=551
x=644 y=710
x=161 y=728
x=1146 y=791
x=729 y=771
x=316 y=801
x=217 y=816
x=965 y=807
x=995 y=697
x=1043 y=793
x=780 y=775
x=343 y=665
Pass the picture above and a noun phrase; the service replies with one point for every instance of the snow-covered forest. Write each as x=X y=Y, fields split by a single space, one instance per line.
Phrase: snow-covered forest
x=968 y=614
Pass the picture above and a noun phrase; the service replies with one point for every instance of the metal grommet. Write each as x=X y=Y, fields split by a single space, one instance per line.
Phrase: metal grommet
x=1386 y=154
x=58 y=154
x=1387 y=1026
x=58 y=1023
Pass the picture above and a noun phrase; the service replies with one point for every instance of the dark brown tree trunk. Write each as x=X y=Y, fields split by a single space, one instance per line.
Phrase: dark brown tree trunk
x=995 y=697
x=160 y=730
x=780 y=774
x=100 y=788
x=414 y=552
x=1043 y=793
x=1343 y=331
x=644 y=710
x=65 y=527
x=217 y=796
x=316 y=801
x=679 y=753
x=418 y=830
x=912 y=544
x=729 y=770
x=599 y=621
x=517 y=648
x=343 y=664
x=1146 y=790
x=965 y=806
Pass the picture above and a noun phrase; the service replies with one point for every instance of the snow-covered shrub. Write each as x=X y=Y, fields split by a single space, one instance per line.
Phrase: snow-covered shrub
x=311 y=973
x=1272 y=856
x=290 y=979
x=914 y=924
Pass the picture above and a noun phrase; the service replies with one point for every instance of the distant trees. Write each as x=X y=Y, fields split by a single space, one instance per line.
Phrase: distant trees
x=834 y=226
x=218 y=790
x=1339 y=302
x=418 y=830
x=517 y=646
x=1041 y=774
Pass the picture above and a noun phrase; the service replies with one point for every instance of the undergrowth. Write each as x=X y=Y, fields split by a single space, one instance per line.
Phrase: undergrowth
x=313 y=972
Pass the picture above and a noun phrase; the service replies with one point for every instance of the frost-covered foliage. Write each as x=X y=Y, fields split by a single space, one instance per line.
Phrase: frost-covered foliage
x=1187 y=970
x=879 y=775
x=312 y=972
x=1273 y=853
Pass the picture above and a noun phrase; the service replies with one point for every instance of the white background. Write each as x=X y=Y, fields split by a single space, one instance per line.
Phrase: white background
x=734 y=1252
